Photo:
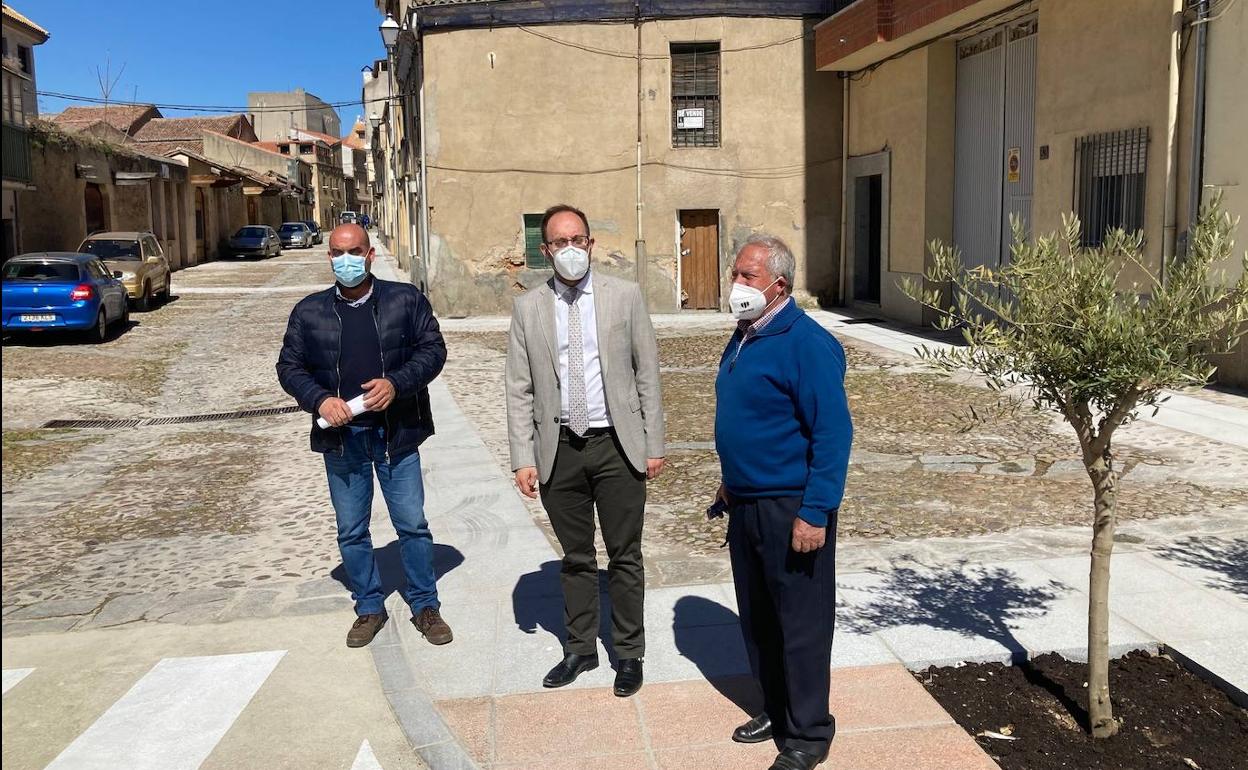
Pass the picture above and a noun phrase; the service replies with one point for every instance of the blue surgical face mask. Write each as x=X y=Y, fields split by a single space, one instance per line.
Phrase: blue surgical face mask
x=350 y=269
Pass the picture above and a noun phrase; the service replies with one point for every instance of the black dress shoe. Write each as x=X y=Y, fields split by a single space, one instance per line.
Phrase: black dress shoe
x=569 y=669
x=628 y=677
x=792 y=759
x=756 y=730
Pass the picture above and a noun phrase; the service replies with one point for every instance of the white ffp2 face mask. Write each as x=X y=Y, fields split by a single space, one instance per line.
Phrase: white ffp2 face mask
x=572 y=262
x=746 y=302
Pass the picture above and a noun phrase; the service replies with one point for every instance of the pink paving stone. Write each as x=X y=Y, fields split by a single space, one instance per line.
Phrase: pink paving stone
x=564 y=724
x=723 y=756
x=469 y=719
x=916 y=748
x=633 y=761
x=874 y=697
x=691 y=713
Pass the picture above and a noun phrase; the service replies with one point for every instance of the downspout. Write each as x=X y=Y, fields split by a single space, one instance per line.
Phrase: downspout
x=844 y=183
x=1172 y=142
x=423 y=171
x=639 y=246
x=1196 y=171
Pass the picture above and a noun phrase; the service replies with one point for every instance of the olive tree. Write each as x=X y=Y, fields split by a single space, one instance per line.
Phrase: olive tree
x=1091 y=333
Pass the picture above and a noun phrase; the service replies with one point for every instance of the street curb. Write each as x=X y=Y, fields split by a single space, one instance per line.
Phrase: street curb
x=423 y=726
x=1237 y=696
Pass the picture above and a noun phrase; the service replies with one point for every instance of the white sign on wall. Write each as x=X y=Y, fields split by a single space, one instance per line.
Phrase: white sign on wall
x=692 y=117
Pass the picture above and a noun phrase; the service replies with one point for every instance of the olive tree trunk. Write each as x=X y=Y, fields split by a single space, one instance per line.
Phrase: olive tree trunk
x=1105 y=484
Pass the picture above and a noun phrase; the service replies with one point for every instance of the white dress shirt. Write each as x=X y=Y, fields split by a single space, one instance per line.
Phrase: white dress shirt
x=595 y=398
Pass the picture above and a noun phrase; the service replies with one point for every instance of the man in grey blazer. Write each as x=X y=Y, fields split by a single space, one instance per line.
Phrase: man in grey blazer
x=585 y=422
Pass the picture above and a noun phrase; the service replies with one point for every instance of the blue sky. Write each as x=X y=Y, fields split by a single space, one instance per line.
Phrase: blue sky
x=195 y=52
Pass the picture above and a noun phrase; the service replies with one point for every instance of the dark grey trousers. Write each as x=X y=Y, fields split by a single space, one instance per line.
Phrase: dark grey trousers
x=593 y=472
x=788 y=606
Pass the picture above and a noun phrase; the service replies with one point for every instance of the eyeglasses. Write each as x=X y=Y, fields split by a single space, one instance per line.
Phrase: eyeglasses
x=579 y=241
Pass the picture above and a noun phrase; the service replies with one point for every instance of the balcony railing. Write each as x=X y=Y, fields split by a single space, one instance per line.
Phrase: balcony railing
x=16 y=153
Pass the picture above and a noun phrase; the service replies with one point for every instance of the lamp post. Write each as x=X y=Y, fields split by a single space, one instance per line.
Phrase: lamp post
x=389 y=37
x=374 y=120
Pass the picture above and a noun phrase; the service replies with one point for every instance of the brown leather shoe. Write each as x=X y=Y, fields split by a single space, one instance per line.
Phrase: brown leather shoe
x=430 y=623
x=364 y=629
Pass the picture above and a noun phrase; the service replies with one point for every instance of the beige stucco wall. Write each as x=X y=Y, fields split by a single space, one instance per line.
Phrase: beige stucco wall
x=501 y=145
x=1226 y=157
x=1095 y=76
x=906 y=107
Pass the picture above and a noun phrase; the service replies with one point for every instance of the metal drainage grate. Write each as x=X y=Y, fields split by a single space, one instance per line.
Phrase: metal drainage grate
x=92 y=424
x=183 y=420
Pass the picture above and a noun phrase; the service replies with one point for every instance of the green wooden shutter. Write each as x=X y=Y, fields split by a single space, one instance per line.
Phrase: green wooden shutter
x=533 y=256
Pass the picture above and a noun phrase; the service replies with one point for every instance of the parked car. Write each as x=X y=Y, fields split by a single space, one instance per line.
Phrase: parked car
x=316 y=231
x=349 y=218
x=140 y=260
x=62 y=290
x=256 y=240
x=295 y=235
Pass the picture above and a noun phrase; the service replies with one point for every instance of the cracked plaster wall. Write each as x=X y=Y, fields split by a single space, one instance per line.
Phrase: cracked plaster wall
x=516 y=123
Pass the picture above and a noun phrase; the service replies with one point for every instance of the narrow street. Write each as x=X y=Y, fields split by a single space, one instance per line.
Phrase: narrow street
x=135 y=537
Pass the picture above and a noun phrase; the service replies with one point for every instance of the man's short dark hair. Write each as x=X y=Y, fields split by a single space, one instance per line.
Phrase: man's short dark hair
x=559 y=209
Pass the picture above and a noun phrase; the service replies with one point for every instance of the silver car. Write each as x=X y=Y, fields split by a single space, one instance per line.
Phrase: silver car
x=295 y=235
x=256 y=241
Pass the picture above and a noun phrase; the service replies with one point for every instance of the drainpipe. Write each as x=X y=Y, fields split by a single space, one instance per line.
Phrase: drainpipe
x=844 y=181
x=639 y=247
x=424 y=173
x=1196 y=171
x=1172 y=141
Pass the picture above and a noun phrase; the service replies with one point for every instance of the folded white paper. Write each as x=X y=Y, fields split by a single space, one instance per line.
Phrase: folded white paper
x=356 y=405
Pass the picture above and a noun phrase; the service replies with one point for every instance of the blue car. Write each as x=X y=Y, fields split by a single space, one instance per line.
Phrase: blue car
x=62 y=290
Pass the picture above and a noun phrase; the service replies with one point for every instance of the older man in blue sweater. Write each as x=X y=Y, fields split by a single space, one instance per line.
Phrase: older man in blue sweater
x=783 y=432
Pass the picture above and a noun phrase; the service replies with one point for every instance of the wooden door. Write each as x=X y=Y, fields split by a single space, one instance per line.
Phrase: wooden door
x=93 y=204
x=699 y=259
x=201 y=224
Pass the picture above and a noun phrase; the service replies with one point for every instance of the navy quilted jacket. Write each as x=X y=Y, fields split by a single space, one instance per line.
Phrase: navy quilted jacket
x=412 y=351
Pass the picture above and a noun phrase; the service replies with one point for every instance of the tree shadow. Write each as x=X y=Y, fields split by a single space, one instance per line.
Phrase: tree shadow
x=390 y=566
x=537 y=602
x=970 y=600
x=698 y=625
x=1228 y=558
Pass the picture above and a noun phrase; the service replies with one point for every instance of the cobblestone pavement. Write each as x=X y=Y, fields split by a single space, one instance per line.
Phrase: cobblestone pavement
x=187 y=523
x=209 y=521
x=932 y=458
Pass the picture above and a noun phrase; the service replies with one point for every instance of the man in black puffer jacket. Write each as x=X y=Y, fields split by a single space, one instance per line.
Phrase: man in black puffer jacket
x=378 y=340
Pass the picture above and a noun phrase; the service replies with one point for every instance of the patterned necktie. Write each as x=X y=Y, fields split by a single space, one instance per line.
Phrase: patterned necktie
x=578 y=407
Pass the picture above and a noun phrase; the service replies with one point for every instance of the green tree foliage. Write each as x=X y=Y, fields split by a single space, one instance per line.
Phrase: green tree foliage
x=1091 y=333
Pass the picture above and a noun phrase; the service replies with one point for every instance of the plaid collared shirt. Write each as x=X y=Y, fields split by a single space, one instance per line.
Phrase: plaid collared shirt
x=750 y=329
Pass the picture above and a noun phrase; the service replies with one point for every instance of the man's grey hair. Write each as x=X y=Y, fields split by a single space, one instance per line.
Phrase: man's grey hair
x=780 y=262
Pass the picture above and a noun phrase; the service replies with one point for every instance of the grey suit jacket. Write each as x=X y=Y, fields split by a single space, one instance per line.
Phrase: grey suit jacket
x=629 y=357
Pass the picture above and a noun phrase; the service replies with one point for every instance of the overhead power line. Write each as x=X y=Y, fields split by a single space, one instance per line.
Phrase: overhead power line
x=210 y=107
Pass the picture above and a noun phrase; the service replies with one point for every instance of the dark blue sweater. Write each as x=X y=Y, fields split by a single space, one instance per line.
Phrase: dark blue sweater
x=782 y=425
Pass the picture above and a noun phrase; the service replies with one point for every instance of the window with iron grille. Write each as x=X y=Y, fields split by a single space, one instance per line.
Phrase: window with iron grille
x=1110 y=171
x=695 y=94
x=533 y=256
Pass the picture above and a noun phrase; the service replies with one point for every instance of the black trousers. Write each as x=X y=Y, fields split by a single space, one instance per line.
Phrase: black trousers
x=788 y=607
x=593 y=472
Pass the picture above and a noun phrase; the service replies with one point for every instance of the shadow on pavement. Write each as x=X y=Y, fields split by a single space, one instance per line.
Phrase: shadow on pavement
x=974 y=601
x=390 y=566
x=1226 y=557
x=537 y=602
x=692 y=616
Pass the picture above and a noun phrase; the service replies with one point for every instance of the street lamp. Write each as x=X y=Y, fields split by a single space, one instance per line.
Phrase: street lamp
x=389 y=37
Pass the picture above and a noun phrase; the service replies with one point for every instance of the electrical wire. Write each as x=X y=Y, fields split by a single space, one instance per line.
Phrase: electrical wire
x=633 y=55
x=774 y=172
x=209 y=107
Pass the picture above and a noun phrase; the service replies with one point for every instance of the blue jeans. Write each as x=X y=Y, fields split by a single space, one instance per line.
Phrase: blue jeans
x=351 y=490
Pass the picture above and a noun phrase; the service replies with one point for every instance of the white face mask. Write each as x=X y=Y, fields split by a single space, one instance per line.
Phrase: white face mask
x=572 y=262
x=746 y=302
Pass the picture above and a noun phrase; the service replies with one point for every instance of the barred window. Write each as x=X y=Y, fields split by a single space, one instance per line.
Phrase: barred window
x=695 y=94
x=1110 y=171
x=533 y=256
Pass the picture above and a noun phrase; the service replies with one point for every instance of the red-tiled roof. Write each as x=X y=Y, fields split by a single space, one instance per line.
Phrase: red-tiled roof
x=128 y=118
x=170 y=147
x=328 y=139
x=353 y=141
x=167 y=129
x=269 y=147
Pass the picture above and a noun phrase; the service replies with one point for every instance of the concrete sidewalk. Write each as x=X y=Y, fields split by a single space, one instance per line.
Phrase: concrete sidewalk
x=479 y=702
